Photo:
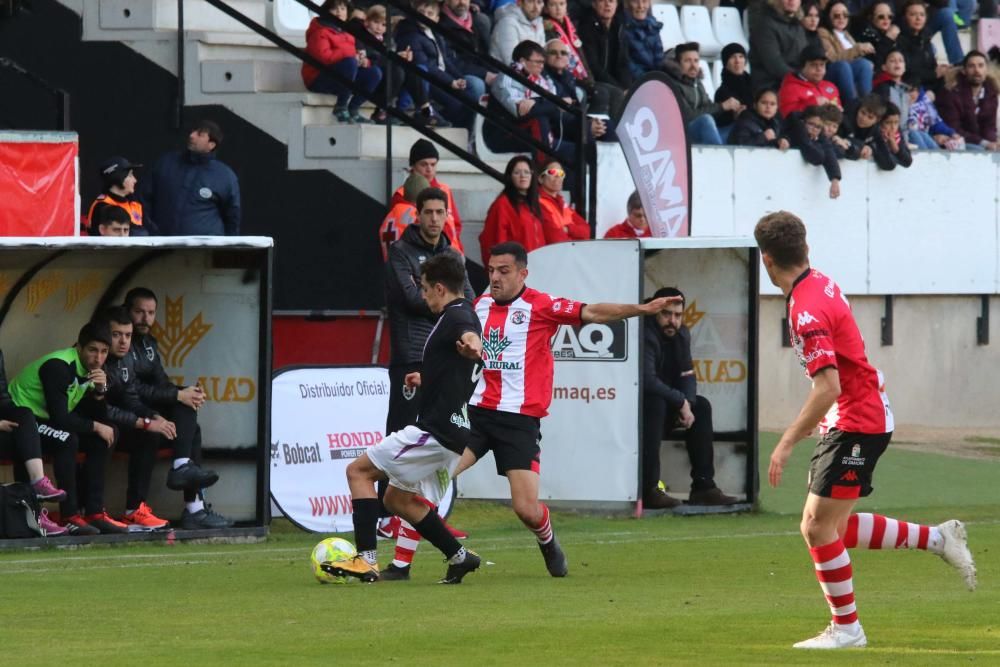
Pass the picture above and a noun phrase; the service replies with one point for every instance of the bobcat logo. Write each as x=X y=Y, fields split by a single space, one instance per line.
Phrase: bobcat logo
x=494 y=345
x=177 y=339
x=275 y=454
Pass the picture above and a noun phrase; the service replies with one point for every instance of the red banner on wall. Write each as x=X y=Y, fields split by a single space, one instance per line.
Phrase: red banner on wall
x=38 y=184
x=652 y=134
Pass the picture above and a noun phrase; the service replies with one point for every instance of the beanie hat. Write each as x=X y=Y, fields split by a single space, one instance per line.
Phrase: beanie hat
x=730 y=49
x=414 y=185
x=421 y=150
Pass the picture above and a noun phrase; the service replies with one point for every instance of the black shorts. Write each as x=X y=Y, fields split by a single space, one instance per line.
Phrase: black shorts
x=514 y=439
x=843 y=464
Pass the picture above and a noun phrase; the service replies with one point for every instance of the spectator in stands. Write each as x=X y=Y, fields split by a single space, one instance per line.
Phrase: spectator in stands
x=760 y=125
x=191 y=192
x=516 y=214
x=702 y=116
x=515 y=24
x=807 y=87
x=635 y=225
x=776 y=40
x=890 y=147
x=879 y=31
x=670 y=402
x=19 y=441
x=424 y=160
x=806 y=134
x=860 y=126
x=64 y=391
x=968 y=103
x=924 y=118
x=915 y=42
x=140 y=428
x=892 y=88
x=569 y=89
x=402 y=212
x=811 y=17
x=432 y=54
x=471 y=28
x=832 y=116
x=604 y=49
x=177 y=404
x=373 y=25
x=328 y=42
x=847 y=68
x=560 y=222
x=113 y=221
x=736 y=81
x=941 y=18
x=641 y=33
x=118 y=180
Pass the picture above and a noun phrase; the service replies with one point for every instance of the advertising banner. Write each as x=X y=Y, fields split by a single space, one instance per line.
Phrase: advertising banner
x=652 y=135
x=321 y=420
x=38 y=184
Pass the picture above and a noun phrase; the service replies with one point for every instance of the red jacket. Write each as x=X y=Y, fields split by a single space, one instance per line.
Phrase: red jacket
x=958 y=110
x=796 y=94
x=506 y=223
x=559 y=221
x=623 y=230
x=327 y=44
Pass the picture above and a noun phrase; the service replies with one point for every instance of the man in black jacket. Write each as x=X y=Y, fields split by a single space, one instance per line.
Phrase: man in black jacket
x=670 y=401
x=603 y=47
x=179 y=405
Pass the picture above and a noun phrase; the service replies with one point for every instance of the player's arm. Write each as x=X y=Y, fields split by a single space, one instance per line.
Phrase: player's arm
x=609 y=312
x=470 y=345
x=825 y=390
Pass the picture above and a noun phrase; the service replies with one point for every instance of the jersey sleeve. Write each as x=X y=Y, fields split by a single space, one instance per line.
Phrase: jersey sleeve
x=814 y=329
x=560 y=311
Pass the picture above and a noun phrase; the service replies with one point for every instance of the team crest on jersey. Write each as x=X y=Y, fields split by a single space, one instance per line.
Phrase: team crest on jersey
x=150 y=352
x=804 y=318
x=556 y=306
x=493 y=347
x=124 y=370
x=517 y=317
x=856 y=451
x=409 y=392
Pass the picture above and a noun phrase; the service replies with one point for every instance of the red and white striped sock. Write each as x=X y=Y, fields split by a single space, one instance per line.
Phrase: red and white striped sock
x=874 y=531
x=833 y=570
x=407 y=541
x=544 y=529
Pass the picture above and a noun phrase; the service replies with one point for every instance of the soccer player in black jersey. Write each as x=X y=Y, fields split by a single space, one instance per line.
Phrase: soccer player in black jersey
x=422 y=458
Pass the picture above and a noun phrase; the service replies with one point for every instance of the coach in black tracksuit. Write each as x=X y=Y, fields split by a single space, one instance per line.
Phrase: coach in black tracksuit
x=670 y=401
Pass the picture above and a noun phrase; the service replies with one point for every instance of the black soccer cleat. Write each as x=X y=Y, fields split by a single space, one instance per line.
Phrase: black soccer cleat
x=458 y=570
x=395 y=573
x=204 y=519
x=191 y=476
x=555 y=559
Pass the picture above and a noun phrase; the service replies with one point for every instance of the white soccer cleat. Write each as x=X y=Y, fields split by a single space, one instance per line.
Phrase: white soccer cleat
x=955 y=551
x=835 y=636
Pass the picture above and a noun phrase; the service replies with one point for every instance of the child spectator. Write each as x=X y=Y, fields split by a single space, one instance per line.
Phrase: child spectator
x=635 y=225
x=374 y=25
x=860 y=125
x=807 y=135
x=516 y=214
x=890 y=147
x=879 y=31
x=848 y=68
x=760 y=125
x=832 y=117
x=560 y=221
x=890 y=87
x=735 y=78
x=924 y=118
x=335 y=48
x=807 y=87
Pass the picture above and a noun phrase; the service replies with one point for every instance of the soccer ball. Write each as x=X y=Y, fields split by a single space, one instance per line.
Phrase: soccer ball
x=332 y=548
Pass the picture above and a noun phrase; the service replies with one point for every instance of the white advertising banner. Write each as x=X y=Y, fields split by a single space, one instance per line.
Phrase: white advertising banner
x=321 y=420
x=590 y=440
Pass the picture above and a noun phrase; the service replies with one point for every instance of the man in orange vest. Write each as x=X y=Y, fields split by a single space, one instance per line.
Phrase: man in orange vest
x=402 y=213
x=424 y=160
x=119 y=181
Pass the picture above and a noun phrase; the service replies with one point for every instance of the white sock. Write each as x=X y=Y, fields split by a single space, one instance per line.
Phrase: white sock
x=370 y=556
x=195 y=505
x=179 y=462
x=935 y=542
x=850 y=628
x=458 y=558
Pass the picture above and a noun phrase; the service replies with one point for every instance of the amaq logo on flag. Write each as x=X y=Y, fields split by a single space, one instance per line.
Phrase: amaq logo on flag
x=652 y=135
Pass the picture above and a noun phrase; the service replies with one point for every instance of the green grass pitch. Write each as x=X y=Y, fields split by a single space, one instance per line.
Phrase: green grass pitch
x=713 y=590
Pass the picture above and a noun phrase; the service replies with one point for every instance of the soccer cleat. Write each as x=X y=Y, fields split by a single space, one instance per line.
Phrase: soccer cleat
x=555 y=559
x=835 y=636
x=49 y=527
x=955 y=551
x=76 y=525
x=143 y=519
x=204 y=519
x=356 y=567
x=46 y=490
x=395 y=573
x=191 y=476
x=456 y=571
x=104 y=523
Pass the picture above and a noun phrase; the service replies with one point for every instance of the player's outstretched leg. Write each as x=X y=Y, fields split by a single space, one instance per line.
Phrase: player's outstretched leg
x=948 y=540
x=535 y=515
x=361 y=477
x=461 y=561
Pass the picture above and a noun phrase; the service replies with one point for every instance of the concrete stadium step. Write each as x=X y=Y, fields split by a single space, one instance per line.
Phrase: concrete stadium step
x=368 y=141
x=162 y=15
x=250 y=76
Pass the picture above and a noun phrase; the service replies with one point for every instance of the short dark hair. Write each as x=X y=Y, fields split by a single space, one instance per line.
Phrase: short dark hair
x=511 y=248
x=973 y=54
x=681 y=49
x=670 y=291
x=634 y=201
x=137 y=293
x=431 y=193
x=211 y=128
x=526 y=49
x=417 y=4
x=447 y=269
x=873 y=104
x=108 y=215
x=890 y=110
x=762 y=91
x=330 y=4
x=116 y=314
x=831 y=113
x=782 y=235
x=812 y=111
x=94 y=331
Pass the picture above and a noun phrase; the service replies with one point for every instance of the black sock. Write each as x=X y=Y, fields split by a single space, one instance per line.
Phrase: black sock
x=432 y=528
x=365 y=523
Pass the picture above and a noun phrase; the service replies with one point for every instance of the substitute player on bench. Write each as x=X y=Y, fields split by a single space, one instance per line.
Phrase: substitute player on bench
x=856 y=430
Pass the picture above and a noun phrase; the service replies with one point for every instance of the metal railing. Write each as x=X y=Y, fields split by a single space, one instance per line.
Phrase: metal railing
x=60 y=95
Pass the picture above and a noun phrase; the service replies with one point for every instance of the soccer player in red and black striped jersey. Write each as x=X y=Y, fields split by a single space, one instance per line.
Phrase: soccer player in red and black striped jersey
x=848 y=403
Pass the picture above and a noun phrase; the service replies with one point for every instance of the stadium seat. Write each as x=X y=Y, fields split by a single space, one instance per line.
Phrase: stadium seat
x=707 y=79
x=727 y=26
x=482 y=150
x=671 y=34
x=697 y=27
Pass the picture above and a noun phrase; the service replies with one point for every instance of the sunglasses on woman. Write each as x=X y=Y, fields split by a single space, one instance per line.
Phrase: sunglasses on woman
x=555 y=173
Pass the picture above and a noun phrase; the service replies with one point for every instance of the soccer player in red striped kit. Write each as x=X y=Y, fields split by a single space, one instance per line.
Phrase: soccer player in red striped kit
x=848 y=402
